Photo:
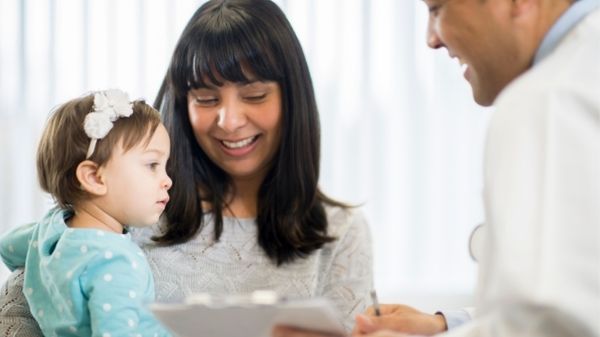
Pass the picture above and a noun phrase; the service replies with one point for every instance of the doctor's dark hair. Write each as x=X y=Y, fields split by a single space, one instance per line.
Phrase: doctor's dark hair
x=242 y=41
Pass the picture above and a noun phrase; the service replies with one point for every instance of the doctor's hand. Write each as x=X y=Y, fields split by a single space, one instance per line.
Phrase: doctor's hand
x=284 y=331
x=400 y=318
x=281 y=331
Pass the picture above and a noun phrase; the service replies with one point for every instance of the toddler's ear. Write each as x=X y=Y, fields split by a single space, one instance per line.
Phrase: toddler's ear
x=88 y=175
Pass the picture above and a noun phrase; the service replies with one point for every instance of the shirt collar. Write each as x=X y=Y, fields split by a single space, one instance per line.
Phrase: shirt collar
x=575 y=13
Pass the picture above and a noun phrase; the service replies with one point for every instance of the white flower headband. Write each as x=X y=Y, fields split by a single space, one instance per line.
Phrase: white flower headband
x=109 y=106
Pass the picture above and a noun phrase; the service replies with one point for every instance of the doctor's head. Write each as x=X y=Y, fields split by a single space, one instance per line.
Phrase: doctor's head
x=494 y=40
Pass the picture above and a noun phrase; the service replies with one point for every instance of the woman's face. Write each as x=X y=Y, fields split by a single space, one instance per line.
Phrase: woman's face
x=238 y=126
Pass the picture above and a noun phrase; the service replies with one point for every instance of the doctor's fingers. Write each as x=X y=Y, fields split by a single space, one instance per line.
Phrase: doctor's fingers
x=404 y=322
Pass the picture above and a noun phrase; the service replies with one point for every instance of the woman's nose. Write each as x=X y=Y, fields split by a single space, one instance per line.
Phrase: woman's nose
x=231 y=116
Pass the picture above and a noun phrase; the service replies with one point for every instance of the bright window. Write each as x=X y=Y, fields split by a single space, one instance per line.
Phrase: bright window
x=400 y=131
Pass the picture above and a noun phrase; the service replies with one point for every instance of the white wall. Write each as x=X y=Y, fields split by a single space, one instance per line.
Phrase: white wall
x=400 y=131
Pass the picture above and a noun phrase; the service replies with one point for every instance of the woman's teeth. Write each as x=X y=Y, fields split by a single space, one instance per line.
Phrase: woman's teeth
x=240 y=144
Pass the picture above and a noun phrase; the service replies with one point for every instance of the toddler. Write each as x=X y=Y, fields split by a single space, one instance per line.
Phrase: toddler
x=102 y=158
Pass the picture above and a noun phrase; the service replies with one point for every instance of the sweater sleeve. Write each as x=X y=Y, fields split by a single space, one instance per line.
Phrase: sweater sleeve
x=15 y=317
x=350 y=275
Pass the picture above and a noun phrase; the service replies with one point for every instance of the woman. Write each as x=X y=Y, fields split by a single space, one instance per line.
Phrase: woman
x=245 y=212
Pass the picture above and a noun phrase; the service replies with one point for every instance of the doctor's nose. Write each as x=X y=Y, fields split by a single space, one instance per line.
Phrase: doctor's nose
x=432 y=37
x=231 y=116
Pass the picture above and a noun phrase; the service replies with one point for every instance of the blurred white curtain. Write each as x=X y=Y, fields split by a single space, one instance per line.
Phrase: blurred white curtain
x=400 y=132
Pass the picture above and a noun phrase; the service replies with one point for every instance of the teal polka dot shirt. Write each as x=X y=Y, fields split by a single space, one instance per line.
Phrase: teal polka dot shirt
x=83 y=282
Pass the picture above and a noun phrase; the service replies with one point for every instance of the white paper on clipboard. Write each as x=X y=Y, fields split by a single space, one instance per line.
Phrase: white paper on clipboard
x=244 y=319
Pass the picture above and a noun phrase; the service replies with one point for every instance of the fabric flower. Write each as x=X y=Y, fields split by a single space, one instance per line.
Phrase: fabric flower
x=114 y=103
x=97 y=125
x=100 y=102
x=119 y=102
x=109 y=106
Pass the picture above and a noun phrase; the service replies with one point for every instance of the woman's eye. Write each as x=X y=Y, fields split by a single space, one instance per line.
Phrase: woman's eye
x=208 y=101
x=153 y=166
x=256 y=98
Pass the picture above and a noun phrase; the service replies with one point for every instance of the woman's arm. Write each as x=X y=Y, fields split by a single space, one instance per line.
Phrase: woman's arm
x=15 y=318
x=349 y=278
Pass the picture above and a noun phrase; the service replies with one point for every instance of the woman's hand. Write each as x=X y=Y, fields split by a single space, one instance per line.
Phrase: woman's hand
x=400 y=318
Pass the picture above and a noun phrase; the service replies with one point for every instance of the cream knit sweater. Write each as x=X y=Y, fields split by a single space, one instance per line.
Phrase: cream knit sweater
x=341 y=271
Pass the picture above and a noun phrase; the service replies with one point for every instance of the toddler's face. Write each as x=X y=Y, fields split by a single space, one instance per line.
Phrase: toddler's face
x=137 y=181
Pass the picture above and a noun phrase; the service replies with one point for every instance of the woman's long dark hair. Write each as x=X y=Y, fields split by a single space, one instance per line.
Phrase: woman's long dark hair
x=223 y=41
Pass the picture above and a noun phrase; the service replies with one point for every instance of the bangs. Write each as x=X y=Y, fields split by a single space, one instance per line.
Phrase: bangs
x=219 y=51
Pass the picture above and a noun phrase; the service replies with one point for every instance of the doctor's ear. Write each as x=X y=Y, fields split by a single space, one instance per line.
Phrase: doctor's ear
x=87 y=174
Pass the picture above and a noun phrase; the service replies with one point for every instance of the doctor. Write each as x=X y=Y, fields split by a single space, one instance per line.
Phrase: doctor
x=538 y=62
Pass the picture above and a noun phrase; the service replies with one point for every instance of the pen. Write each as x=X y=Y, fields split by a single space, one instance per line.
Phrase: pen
x=375 y=303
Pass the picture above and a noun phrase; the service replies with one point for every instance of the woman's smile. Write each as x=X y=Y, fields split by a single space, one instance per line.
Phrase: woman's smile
x=240 y=147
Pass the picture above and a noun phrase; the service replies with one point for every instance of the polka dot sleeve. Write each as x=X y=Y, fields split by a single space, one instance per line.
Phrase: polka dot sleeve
x=119 y=287
x=14 y=246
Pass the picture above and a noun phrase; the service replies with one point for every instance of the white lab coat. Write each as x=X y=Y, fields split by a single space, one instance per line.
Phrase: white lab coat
x=540 y=270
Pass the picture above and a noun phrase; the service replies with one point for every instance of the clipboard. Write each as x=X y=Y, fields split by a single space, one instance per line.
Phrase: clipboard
x=252 y=315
